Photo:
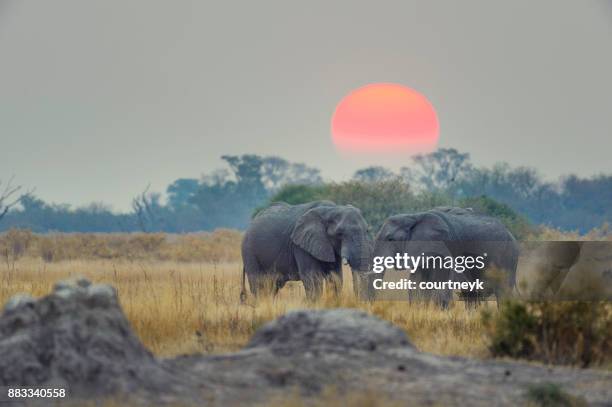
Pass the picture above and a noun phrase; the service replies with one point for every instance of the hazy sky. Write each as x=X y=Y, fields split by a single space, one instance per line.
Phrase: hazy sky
x=100 y=98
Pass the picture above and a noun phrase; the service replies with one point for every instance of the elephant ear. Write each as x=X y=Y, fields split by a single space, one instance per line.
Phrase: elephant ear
x=424 y=227
x=430 y=227
x=393 y=230
x=310 y=234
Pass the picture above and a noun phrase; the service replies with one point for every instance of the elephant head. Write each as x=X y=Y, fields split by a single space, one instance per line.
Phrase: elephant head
x=416 y=234
x=423 y=230
x=335 y=233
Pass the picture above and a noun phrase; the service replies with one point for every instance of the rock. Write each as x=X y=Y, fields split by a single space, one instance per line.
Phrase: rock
x=331 y=330
x=102 y=295
x=17 y=301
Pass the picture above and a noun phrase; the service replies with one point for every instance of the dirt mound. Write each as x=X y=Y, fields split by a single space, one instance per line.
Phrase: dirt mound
x=340 y=330
x=78 y=338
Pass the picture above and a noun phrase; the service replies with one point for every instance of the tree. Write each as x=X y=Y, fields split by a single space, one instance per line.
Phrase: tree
x=515 y=222
x=148 y=211
x=438 y=170
x=181 y=191
x=377 y=200
x=373 y=174
x=8 y=198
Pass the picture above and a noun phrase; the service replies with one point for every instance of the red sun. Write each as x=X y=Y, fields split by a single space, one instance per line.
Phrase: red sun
x=385 y=118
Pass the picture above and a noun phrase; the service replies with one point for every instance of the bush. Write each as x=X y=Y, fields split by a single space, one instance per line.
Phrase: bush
x=297 y=194
x=376 y=200
x=545 y=233
x=516 y=223
x=568 y=333
x=381 y=199
x=551 y=395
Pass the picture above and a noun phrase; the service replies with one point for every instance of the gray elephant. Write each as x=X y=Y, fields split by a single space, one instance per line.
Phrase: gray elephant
x=566 y=270
x=452 y=231
x=307 y=242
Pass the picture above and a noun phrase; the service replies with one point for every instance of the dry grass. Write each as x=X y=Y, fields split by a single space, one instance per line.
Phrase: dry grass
x=179 y=308
x=181 y=295
x=545 y=233
x=218 y=246
x=181 y=292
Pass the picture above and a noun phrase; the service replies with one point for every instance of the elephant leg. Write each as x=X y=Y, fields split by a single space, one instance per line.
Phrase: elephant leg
x=313 y=284
x=442 y=297
x=311 y=274
x=254 y=273
x=261 y=282
x=280 y=283
x=334 y=280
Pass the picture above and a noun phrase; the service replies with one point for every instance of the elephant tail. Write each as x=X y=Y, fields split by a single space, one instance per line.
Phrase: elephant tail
x=243 y=293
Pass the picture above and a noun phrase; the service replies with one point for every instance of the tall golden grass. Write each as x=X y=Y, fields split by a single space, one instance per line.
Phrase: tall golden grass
x=218 y=246
x=178 y=308
x=181 y=292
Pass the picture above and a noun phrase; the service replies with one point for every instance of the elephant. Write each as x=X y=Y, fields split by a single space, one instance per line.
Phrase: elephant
x=307 y=242
x=566 y=270
x=453 y=231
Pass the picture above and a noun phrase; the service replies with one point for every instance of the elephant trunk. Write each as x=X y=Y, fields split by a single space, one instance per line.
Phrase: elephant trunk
x=357 y=253
x=344 y=255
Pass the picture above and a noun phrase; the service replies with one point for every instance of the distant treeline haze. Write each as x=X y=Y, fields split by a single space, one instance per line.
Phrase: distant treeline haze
x=227 y=198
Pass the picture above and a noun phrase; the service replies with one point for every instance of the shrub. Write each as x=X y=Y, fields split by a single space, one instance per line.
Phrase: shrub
x=381 y=199
x=568 y=333
x=515 y=222
x=545 y=233
x=376 y=200
x=297 y=194
x=551 y=395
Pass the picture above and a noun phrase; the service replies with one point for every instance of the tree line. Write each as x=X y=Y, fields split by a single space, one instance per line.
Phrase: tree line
x=228 y=197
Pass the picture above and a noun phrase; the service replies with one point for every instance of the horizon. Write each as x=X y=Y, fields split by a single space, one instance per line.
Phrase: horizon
x=162 y=191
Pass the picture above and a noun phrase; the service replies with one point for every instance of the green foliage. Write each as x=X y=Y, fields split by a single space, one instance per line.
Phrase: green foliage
x=180 y=191
x=510 y=333
x=379 y=200
x=228 y=200
x=568 y=333
x=297 y=194
x=373 y=174
x=516 y=223
x=439 y=170
x=228 y=196
x=551 y=395
x=386 y=197
x=376 y=200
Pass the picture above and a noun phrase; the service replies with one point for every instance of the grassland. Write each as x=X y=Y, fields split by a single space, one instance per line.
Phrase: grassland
x=181 y=293
x=178 y=307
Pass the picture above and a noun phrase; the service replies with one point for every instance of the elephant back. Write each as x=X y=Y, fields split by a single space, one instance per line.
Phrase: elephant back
x=279 y=219
x=466 y=225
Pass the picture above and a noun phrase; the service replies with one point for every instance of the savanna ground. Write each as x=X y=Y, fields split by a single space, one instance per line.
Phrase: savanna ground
x=181 y=292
